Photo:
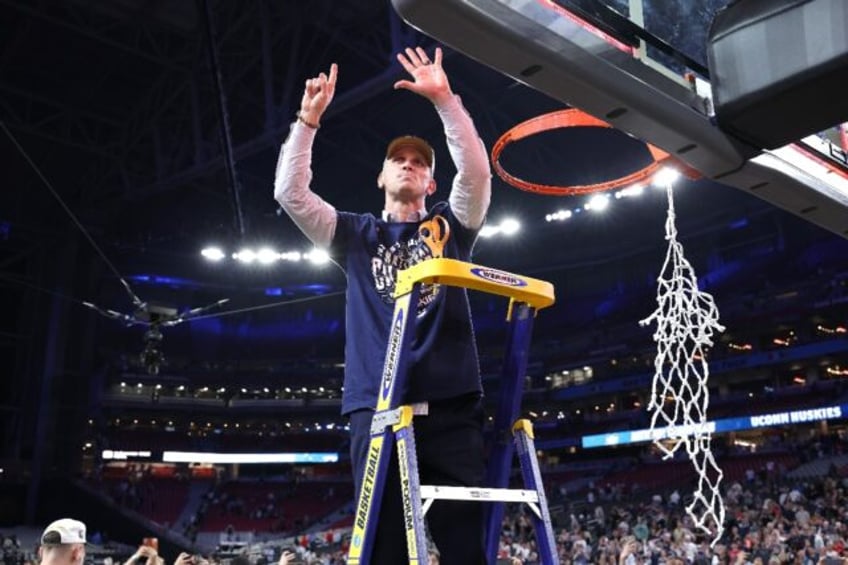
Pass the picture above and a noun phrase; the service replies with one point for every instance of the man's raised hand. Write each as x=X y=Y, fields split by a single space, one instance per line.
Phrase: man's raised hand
x=317 y=95
x=429 y=78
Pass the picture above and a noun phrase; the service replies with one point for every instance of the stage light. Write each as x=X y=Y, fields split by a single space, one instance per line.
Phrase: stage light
x=488 y=231
x=245 y=256
x=665 y=177
x=293 y=256
x=266 y=256
x=630 y=191
x=318 y=256
x=213 y=253
x=509 y=226
x=598 y=203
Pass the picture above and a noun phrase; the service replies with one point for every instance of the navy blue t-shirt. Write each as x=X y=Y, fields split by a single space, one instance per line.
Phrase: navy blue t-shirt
x=371 y=251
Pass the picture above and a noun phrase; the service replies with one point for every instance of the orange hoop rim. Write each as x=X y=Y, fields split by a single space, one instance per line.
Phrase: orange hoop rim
x=573 y=117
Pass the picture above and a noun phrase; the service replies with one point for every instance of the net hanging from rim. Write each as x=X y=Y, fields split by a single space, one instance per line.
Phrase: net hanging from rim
x=685 y=319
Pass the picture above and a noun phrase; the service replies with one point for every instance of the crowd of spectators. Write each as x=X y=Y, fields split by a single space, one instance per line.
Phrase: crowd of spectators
x=13 y=552
x=770 y=518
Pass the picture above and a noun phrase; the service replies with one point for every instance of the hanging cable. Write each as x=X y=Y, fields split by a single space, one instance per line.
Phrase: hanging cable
x=135 y=299
x=224 y=118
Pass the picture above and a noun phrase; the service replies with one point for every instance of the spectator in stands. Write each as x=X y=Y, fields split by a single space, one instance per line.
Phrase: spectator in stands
x=674 y=498
x=445 y=372
x=146 y=552
x=63 y=543
x=629 y=547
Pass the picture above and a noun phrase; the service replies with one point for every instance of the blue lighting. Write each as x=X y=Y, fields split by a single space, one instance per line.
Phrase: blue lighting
x=160 y=280
x=171 y=281
x=315 y=288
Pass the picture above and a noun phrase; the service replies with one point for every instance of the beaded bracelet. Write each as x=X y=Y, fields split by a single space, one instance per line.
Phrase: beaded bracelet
x=302 y=120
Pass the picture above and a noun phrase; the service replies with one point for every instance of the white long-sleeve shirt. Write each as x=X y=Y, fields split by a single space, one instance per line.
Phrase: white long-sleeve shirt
x=469 y=198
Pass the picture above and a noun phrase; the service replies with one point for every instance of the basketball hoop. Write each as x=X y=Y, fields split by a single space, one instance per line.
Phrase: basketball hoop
x=686 y=320
x=577 y=118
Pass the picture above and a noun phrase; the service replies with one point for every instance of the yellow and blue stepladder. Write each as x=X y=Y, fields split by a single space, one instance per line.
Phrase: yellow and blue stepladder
x=393 y=422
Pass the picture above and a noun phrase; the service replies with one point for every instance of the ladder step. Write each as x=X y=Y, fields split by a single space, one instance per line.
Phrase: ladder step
x=431 y=492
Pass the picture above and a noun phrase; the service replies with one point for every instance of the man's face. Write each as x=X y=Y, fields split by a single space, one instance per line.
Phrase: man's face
x=406 y=175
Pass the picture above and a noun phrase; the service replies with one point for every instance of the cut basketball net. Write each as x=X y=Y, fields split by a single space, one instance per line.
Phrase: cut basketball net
x=686 y=319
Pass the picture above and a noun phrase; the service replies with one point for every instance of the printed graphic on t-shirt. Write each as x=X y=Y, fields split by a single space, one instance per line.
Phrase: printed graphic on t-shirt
x=428 y=242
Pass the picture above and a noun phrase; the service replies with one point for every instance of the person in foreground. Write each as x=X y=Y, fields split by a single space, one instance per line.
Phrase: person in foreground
x=63 y=543
x=145 y=554
x=444 y=377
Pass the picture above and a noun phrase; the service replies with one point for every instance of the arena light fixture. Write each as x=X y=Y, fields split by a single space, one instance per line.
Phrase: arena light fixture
x=246 y=256
x=293 y=256
x=665 y=176
x=266 y=256
x=213 y=253
x=559 y=216
x=598 y=203
x=488 y=231
x=630 y=191
x=318 y=257
x=509 y=226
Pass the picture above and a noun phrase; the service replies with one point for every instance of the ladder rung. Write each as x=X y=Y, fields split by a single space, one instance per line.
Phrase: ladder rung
x=431 y=492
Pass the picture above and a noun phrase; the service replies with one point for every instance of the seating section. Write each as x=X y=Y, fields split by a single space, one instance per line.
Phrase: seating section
x=159 y=499
x=764 y=465
x=660 y=475
x=280 y=506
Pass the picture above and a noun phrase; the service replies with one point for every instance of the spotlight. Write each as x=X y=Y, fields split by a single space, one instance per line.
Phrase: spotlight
x=266 y=256
x=318 y=257
x=213 y=253
x=488 y=231
x=598 y=203
x=245 y=256
x=665 y=177
x=510 y=226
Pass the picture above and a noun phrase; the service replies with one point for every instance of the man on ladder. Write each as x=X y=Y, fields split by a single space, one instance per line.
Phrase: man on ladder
x=443 y=383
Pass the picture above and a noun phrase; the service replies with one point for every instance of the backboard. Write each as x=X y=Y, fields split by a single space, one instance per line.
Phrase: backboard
x=641 y=66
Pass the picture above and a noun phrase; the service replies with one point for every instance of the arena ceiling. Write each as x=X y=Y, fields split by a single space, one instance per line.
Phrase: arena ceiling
x=118 y=116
